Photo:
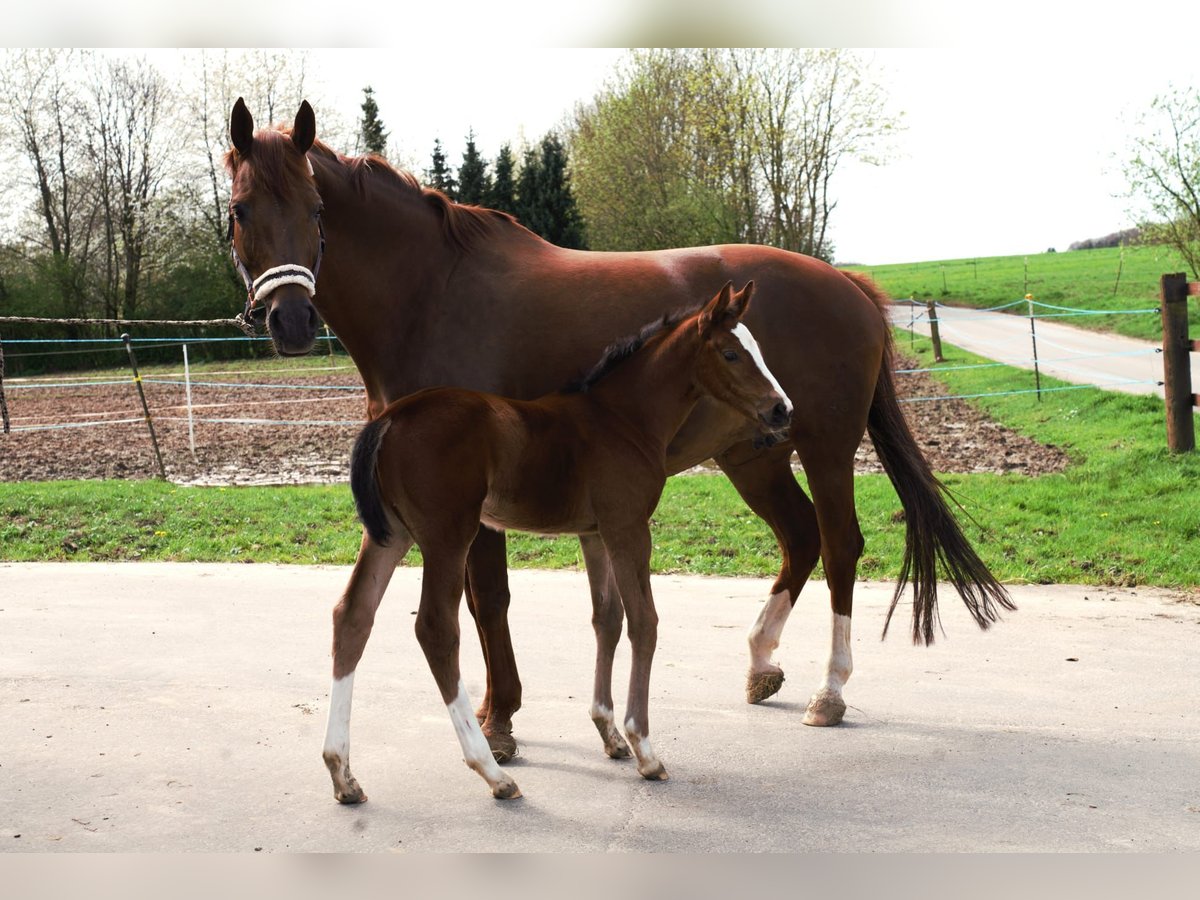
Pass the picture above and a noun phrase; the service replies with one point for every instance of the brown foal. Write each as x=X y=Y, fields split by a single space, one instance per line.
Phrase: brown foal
x=587 y=460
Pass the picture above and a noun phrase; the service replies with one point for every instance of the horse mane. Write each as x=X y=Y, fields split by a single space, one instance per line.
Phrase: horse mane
x=274 y=168
x=619 y=351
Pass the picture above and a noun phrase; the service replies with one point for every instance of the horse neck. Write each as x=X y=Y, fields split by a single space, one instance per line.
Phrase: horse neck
x=384 y=249
x=655 y=389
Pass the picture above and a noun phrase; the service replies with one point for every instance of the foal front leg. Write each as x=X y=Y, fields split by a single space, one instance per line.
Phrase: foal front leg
x=607 y=619
x=353 y=618
x=629 y=555
x=438 y=635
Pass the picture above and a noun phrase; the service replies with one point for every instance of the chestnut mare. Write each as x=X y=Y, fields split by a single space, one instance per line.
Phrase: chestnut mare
x=588 y=460
x=424 y=292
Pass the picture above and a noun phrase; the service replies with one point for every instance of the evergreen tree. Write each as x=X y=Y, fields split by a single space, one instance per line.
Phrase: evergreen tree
x=545 y=202
x=502 y=193
x=440 y=177
x=371 y=136
x=474 y=183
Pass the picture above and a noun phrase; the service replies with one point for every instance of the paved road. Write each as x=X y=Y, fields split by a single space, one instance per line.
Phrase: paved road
x=1066 y=352
x=181 y=707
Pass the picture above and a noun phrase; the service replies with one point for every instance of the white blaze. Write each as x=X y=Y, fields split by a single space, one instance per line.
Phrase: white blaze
x=743 y=334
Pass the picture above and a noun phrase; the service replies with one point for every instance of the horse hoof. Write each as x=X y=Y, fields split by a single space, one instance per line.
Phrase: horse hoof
x=504 y=747
x=824 y=709
x=506 y=790
x=761 y=685
x=655 y=773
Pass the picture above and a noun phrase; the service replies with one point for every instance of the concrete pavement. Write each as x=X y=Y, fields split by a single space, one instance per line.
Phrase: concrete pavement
x=160 y=707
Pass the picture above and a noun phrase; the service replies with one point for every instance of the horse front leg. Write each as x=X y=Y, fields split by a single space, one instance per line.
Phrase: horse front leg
x=607 y=620
x=353 y=618
x=629 y=554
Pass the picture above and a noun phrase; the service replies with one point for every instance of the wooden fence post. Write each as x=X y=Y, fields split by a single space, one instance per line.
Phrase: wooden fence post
x=1037 y=371
x=1177 y=365
x=931 y=306
x=137 y=380
x=3 y=402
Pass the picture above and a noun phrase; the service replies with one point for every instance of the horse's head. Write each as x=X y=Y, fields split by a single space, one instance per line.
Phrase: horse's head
x=275 y=225
x=731 y=366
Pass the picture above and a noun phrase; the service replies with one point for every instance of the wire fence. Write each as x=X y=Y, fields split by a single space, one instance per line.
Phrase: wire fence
x=250 y=398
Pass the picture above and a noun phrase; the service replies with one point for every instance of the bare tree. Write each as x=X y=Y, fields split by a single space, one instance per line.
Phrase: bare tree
x=1163 y=170
x=127 y=147
x=41 y=108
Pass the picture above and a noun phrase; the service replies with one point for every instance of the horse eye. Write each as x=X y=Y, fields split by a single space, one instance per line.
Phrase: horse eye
x=731 y=355
x=239 y=212
x=320 y=209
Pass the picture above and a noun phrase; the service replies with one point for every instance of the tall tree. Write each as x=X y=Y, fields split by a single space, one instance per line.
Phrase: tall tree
x=1163 y=170
x=474 y=183
x=706 y=146
x=439 y=176
x=371 y=135
x=502 y=194
x=545 y=201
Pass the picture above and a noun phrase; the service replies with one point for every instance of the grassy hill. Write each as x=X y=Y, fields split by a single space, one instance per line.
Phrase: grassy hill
x=1102 y=279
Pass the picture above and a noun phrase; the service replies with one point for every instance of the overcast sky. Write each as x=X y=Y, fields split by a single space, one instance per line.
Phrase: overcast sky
x=1014 y=128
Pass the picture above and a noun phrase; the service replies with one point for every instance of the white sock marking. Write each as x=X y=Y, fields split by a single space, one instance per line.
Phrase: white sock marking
x=640 y=743
x=337 y=732
x=837 y=671
x=476 y=752
x=765 y=632
x=743 y=334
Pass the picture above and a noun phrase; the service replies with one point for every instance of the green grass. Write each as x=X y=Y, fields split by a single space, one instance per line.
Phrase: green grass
x=1125 y=511
x=1085 y=279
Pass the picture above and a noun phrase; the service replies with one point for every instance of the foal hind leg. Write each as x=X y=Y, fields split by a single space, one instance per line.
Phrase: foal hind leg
x=353 y=618
x=488 y=600
x=765 y=481
x=607 y=617
x=831 y=480
x=438 y=635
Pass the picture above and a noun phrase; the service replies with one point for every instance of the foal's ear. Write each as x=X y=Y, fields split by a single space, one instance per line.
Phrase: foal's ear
x=716 y=309
x=241 y=128
x=740 y=301
x=304 y=130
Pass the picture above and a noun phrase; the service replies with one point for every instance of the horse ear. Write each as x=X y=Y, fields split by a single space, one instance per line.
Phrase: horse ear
x=304 y=130
x=716 y=309
x=241 y=128
x=741 y=301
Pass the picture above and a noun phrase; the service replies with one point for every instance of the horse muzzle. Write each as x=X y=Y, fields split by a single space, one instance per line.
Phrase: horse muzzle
x=292 y=321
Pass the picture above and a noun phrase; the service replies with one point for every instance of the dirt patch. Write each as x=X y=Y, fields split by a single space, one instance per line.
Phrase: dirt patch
x=320 y=415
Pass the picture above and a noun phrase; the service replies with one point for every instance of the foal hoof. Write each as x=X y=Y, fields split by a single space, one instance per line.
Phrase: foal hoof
x=506 y=790
x=354 y=794
x=656 y=772
x=614 y=745
x=761 y=685
x=824 y=709
x=503 y=746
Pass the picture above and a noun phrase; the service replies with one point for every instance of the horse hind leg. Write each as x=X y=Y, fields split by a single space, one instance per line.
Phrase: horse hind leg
x=607 y=618
x=832 y=483
x=765 y=481
x=353 y=618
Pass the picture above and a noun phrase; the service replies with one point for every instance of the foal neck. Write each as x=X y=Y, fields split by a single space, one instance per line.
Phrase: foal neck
x=655 y=389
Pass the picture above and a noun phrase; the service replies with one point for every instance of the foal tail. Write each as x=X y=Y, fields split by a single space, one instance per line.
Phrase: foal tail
x=932 y=532
x=364 y=482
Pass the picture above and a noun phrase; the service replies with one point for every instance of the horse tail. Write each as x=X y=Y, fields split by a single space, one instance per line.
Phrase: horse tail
x=932 y=532
x=364 y=479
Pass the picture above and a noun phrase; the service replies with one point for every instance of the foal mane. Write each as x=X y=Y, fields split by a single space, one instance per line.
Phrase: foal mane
x=274 y=169
x=619 y=351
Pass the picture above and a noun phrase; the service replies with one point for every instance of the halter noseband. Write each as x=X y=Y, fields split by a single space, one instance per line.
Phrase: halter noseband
x=289 y=273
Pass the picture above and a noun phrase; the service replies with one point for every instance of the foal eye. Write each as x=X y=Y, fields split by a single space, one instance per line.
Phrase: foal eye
x=731 y=355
